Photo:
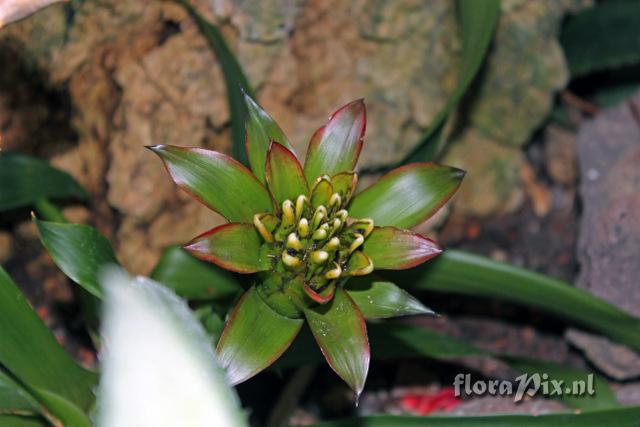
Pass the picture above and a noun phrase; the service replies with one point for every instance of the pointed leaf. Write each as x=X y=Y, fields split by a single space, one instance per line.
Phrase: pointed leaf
x=261 y=131
x=284 y=174
x=392 y=248
x=80 y=251
x=216 y=180
x=234 y=246
x=159 y=368
x=378 y=299
x=193 y=279
x=408 y=195
x=30 y=352
x=336 y=146
x=254 y=337
x=22 y=421
x=341 y=333
x=25 y=180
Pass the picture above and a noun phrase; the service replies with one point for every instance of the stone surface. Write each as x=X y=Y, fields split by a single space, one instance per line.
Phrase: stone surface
x=136 y=73
x=609 y=243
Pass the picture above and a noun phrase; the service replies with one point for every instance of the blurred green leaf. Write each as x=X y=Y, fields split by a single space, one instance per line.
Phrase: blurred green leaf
x=603 y=37
x=14 y=399
x=194 y=279
x=623 y=417
x=31 y=353
x=477 y=21
x=464 y=273
x=159 y=368
x=234 y=78
x=25 y=180
x=20 y=421
x=80 y=251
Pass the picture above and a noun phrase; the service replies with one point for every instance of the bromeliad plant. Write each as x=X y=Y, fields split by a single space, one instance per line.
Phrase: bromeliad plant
x=304 y=234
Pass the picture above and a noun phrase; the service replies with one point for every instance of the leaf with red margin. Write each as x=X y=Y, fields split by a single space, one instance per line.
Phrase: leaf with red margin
x=284 y=174
x=254 y=337
x=261 y=131
x=235 y=246
x=408 y=195
x=380 y=299
x=340 y=331
x=216 y=180
x=323 y=296
x=392 y=248
x=336 y=146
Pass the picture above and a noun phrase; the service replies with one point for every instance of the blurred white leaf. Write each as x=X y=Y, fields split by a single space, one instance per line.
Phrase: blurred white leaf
x=158 y=366
x=14 y=10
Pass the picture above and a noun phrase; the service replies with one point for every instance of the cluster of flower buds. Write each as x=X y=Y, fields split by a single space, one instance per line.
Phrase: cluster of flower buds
x=316 y=241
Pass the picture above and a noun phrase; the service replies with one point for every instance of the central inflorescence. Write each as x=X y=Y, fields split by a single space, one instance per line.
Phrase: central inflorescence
x=312 y=243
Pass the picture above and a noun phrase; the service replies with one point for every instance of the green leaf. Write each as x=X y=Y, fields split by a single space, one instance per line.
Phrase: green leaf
x=392 y=248
x=254 y=337
x=217 y=181
x=602 y=37
x=478 y=20
x=80 y=251
x=378 y=299
x=31 y=353
x=14 y=399
x=464 y=273
x=341 y=333
x=262 y=130
x=234 y=246
x=193 y=279
x=408 y=195
x=623 y=417
x=25 y=180
x=234 y=78
x=335 y=147
x=21 y=421
x=159 y=368
x=284 y=174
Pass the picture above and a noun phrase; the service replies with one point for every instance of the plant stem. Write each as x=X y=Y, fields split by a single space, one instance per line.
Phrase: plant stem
x=49 y=211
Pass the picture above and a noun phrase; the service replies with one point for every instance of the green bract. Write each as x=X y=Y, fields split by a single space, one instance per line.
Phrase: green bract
x=304 y=233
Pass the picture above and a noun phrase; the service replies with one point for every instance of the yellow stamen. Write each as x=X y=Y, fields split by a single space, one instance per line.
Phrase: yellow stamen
x=342 y=214
x=287 y=213
x=334 y=273
x=303 y=228
x=300 y=202
x=293 y=242
x=289 y=260
x=335 y=200
x=319 y=257
x=266 y=235
x=332 y=244
x=357 y=242
x=319 y=234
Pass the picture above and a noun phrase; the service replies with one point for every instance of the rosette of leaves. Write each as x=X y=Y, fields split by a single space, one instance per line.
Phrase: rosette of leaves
x=305 y=234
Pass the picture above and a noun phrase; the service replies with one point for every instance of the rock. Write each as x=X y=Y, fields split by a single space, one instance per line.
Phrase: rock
x=618 y=361
x=6 y=246
x=493 y=175
x=560 y=155
x=609 y=242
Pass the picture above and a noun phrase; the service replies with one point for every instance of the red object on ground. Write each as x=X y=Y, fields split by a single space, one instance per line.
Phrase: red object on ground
x=424 y=404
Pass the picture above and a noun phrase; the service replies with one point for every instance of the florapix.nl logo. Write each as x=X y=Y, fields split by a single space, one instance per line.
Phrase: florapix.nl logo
x=526 y=384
